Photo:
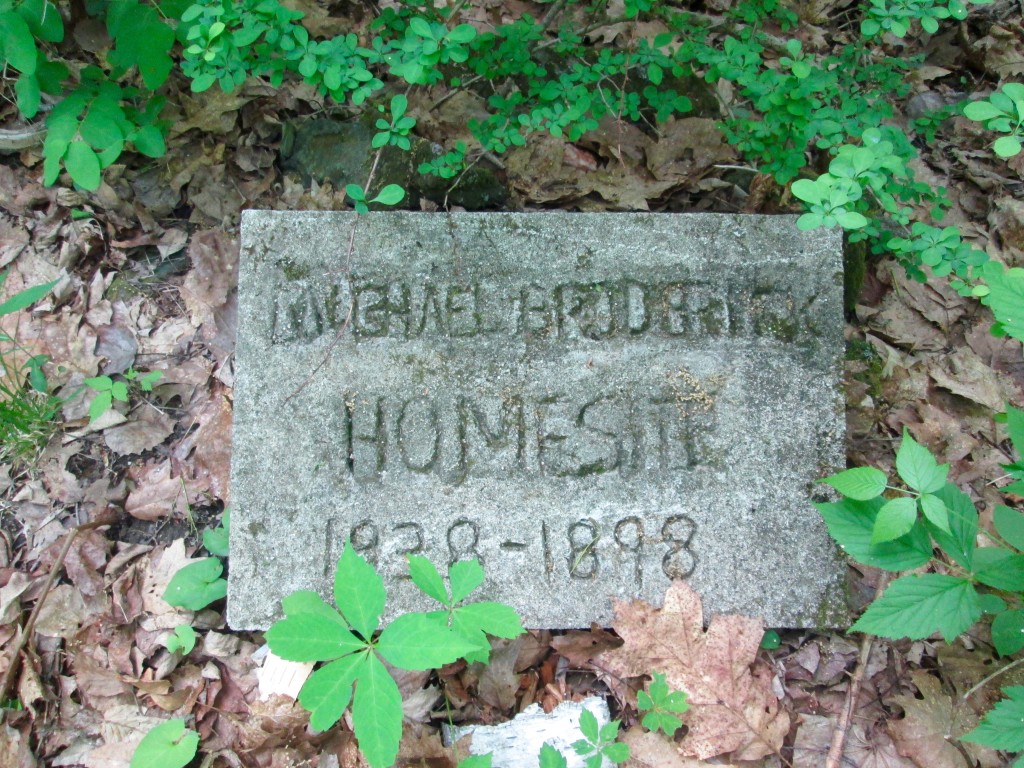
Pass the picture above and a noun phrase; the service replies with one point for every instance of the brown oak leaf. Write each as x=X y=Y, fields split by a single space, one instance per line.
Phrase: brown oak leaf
x=732 y=707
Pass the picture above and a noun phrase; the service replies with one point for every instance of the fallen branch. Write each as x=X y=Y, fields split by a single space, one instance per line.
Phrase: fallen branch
x=13 y=139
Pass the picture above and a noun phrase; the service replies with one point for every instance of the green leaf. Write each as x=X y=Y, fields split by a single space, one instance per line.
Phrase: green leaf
x=421 y=641
x=979 y=111
x=29 y=97
x=19 y=47
x=44 y=20
x=216 y=539
x=860 y=483
x=1015 y=426
x=197 y=584
x=851 y=220
x=918 y=467
x=119 y=391
x=589 y=726
x=358 y=592
x=935 y=511
x=26 y=298
x=662 y=705
x=1010 y=525
x=83 y=165
x=919 y=605
x=311 y=637
x=808 y=191
x=308 y=601
x=377 y=714
x=1002 y=727
x=465 y=576
x=1008 y=632
x=895 y=519
x=355 y=192
x=959 y=541
x=425 y=576
x=141 y=39
x=551 y=758
x=327 y=692
x=421 y=27
x=999 y=568
x=100 y=404
x=168 y=745
x=100 y=131
x=392 y=194
x=149 y=141
x=851 y=523
x=495 y=619
x=1007 y=146
x=463 y=33
x=183 y=639
x=617 y=752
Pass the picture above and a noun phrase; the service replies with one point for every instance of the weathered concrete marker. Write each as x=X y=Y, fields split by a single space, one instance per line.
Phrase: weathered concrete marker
x=592 y=404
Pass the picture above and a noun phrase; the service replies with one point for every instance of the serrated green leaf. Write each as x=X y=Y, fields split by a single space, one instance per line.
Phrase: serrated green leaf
x=859 y=483
x=377 y=714
x=919 y=605
x=83 y=165
x=1002 y=727
x=589 y=726
x=1008 y=632
x=197 y=584
x=495 y=619
x=100 y=404
x=895 y=519
x=308 y=601
x=934 y=510
x=999 y=568
x=358 y=592
x=551 y=758
x=464 y=576
x=851 y=522
x=311 y=637
x=617 y=752
x=421 y=641
x=327 y=692
x=918 y=468
x=119 y=391
x=1010 y=525
x=425 y=576
x=168 y=745
x=26 y=298
x=959 y=541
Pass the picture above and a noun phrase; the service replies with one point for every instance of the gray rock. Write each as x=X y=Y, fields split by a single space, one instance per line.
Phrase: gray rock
x=592 y=404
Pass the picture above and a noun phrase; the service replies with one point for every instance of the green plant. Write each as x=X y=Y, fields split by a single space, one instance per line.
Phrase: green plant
x=183 y=639
x=661 y=705
x=168 y=745
x=392 y=194
x=200 y=583
x=347 y=639
x=27 y=409
x=108 y=390
x=1003 y=111
x=599 y=741
x=973 y=581
x=550 y=757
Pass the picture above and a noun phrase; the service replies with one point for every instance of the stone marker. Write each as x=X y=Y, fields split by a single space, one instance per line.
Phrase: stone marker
x=591 y=404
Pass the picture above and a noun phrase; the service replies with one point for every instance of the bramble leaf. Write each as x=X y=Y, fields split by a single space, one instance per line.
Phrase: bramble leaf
x=1001 y=728
x=859 y=483
x=851 y=524
x=999 y=568
x=935 y=511
x=918 y=468
x=917 y=606
x=1010 y=525
x=958 y=540
x=895 y=518
x=551 y=758
x=168 y=745
x=1008 y=632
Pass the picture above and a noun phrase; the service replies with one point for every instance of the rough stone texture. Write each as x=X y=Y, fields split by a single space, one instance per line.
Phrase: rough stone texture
x=589 y=403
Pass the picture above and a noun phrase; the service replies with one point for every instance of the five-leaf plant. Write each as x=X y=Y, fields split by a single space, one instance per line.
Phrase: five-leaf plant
x=347 y=639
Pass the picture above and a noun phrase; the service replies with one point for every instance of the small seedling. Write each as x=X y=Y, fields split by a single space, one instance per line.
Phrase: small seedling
x=599 y=741
x=197 y=585
x=182 y=639
x=392 y=194
x=1003 y=111
x=169 y=745
x=216 y=539
x=108 y=390
x=662 y=705
x=550 y=757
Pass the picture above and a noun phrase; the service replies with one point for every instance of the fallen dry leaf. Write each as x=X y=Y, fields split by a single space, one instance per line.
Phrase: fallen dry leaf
x=732 y=707
x=214 y=256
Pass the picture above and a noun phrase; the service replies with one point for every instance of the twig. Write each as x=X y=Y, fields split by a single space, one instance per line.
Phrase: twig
x=26 y=633
x=13 y=139
x=985 y=681
x=835 y=750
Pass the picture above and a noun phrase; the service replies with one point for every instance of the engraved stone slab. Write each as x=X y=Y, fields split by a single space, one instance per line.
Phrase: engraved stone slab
x=591 y=404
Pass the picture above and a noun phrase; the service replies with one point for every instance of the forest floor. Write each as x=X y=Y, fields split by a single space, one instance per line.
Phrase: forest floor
x=147 y=268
